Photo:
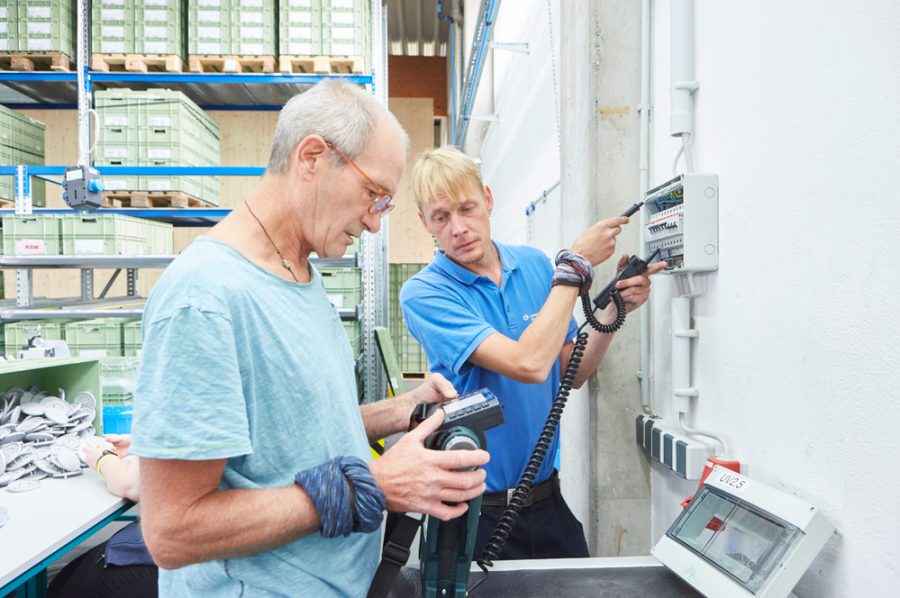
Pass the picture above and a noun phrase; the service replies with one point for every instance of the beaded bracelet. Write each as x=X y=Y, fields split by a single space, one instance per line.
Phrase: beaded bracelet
x=329 y=484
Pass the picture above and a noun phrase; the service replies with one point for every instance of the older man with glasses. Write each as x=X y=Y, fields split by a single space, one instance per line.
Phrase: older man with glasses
x=254 y=455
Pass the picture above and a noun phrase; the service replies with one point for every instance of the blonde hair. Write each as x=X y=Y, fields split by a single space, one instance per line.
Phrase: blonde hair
x=444 y=171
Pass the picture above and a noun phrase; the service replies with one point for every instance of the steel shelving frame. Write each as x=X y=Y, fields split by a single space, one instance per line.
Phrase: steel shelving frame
x=211 y=91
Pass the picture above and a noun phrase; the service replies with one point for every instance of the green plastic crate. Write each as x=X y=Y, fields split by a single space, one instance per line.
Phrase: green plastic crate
x=17 y=334
x=31 y=234
x=47 y=26
x=9 y=34
x=160 y=238
x=112 y=26
x=21 y=143
x=131 y=338
x=103 y=234
x=346 y=28
x=343 y=286
x=160 y=127
x=300 y=28
x=101 y=337
x=118 y=376
x=410 y=355
x=159 y=28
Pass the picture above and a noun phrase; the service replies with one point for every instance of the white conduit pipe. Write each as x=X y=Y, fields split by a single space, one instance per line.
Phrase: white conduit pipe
x=683 y=79
x=682 y=333
x=682 y=391
x=643 y=185
x=682 y=17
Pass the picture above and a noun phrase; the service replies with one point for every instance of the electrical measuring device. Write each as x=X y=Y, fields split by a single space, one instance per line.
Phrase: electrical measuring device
x=446 y=547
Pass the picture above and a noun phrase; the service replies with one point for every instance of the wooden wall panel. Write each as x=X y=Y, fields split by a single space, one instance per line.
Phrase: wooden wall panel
x=419 y=77
x=246 y=139
x=407 y=240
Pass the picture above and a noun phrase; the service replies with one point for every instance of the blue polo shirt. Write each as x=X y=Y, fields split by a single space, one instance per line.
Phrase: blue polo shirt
x=451 y=310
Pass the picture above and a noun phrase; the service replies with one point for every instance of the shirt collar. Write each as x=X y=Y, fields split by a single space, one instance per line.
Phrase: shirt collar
x=508 y=263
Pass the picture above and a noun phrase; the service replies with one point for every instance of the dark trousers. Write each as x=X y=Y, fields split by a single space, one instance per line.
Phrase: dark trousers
x=88 y=576
x=545 y=530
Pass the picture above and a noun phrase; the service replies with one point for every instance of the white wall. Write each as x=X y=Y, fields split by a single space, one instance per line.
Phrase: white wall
x=520 y=152
x=799 y=114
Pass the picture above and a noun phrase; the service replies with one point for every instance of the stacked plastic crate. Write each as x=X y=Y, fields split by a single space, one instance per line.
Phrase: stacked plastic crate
x=141 y=27
x=229 y=30
x=410 y=354
x=344 y=288
x=101 y=337
x=114 y=234
x=156 y=127
x=18 y=335
x=21 y=143
x=31 y=234
x=31 y=27
x=9 y=26
x=131 y=338
x=346 y=28
x=324 y=35
x=300 y=28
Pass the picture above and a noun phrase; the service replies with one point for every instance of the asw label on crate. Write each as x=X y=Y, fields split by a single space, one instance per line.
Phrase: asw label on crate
x=30 y=247
x=337 y=300
x=89 y=246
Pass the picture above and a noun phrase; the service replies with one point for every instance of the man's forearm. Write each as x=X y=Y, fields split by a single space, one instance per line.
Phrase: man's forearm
x=598 y=343
x=224 y=523
x=542 y=340
x=387 y=416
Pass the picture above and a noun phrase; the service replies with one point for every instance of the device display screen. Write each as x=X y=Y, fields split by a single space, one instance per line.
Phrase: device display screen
x=744 y=542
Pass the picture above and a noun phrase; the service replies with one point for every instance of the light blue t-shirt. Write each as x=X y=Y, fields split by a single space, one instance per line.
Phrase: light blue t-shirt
x=242 y=365
x=451 y=310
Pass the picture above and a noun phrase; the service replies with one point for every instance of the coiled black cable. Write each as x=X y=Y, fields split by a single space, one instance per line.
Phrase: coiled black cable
x=595 y=323
x=504 y=526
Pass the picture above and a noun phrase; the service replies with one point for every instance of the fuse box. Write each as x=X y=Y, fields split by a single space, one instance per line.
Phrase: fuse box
x=681 y=219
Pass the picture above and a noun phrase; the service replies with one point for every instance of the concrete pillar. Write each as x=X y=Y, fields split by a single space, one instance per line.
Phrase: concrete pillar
x=600 y=93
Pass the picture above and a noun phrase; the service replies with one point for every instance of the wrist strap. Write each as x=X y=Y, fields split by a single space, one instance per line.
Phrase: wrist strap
x=573 y=269
x=329 y=484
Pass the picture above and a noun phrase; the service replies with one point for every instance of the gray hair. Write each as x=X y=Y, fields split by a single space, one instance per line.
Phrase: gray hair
x=343 y=113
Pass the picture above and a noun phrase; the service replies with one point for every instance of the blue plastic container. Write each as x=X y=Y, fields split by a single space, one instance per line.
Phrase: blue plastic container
x=117 y=419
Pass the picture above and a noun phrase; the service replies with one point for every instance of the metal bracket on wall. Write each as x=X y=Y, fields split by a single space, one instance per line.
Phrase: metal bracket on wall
x=518 y=47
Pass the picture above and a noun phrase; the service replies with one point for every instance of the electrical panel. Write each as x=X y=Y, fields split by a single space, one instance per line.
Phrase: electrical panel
x=743 y=539
x=681 y=220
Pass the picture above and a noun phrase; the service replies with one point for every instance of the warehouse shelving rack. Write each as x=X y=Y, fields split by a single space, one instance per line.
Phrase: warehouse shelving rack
x=211 y=91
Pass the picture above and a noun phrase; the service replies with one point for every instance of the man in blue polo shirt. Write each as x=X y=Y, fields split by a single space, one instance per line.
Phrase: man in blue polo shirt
x=499 y=316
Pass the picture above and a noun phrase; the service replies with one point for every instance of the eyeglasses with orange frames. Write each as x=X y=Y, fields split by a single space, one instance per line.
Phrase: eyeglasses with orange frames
x=381 y=204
